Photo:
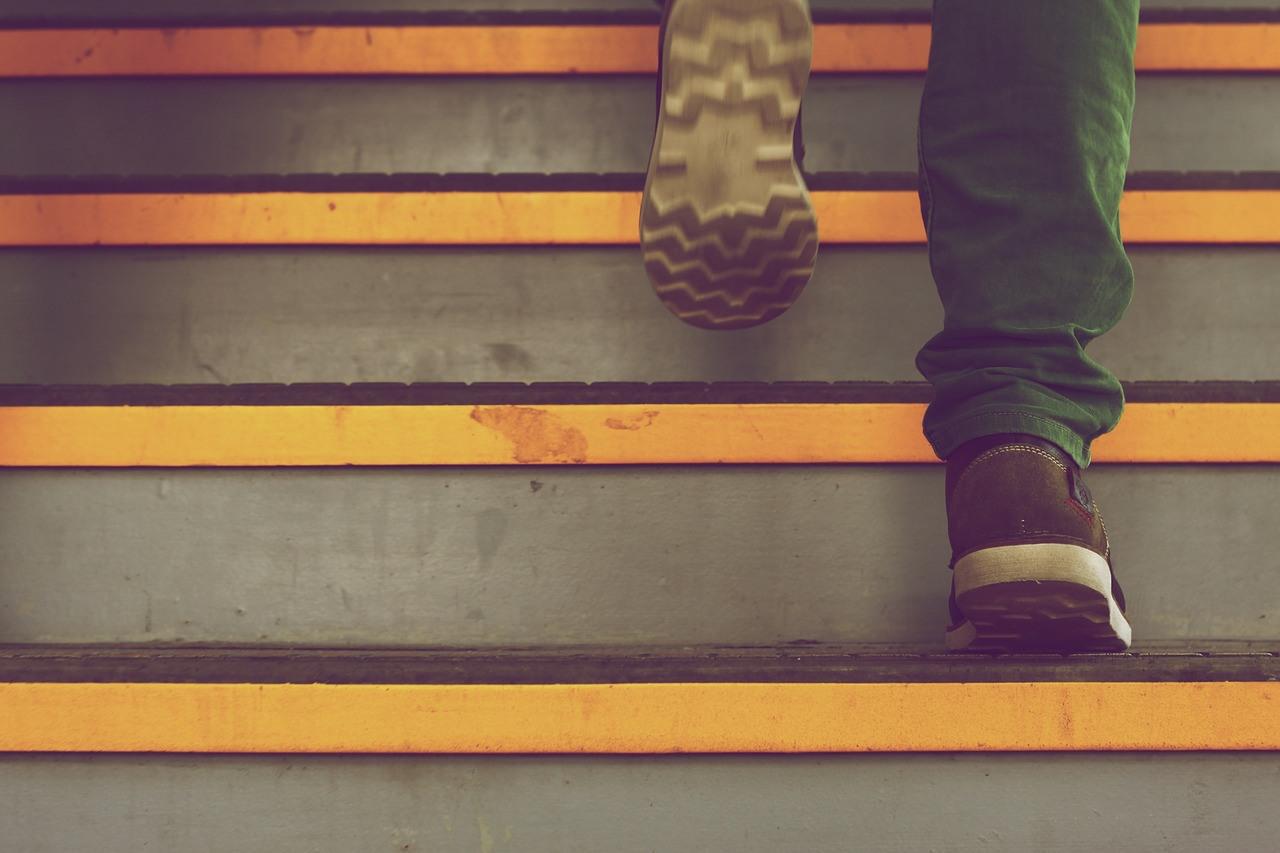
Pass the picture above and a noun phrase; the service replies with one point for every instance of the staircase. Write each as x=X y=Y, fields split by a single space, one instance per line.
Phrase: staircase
x=358 y=494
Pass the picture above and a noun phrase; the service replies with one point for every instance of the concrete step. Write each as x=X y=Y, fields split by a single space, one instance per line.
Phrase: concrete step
x=651 y=701
x=445 y=555
x=544 y=556
x=381 y=125
x=480 y=314
x=993 y=803
x=1084 y=735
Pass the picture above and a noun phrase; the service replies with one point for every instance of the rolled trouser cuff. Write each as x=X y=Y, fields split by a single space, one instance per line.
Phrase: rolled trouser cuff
x=1024 y=143
x=998 y=420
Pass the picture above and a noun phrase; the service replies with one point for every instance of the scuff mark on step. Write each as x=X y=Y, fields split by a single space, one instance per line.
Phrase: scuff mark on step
x=536 y=435
x=634 y=422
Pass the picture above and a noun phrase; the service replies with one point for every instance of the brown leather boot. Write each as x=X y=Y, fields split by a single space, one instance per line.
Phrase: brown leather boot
x=1030 y=558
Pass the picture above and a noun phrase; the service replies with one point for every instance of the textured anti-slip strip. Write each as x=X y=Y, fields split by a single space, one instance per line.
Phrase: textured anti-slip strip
x=525 y=182
x=795 y=662
x=567 y=393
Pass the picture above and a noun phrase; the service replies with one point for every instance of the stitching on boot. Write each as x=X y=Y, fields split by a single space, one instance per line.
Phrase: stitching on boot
x=1079 y=510
x=1106 y=540
x=1006 y=448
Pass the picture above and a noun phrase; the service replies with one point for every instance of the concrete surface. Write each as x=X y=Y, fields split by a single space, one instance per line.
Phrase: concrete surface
x=546 y=556
x=321 y=315
x=264 y=126
x=1198 y=803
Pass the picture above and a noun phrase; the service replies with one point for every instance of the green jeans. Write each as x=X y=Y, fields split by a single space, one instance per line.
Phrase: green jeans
x=1024 y=145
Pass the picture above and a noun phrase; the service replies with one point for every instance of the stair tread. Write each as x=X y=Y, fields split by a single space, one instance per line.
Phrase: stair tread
x=1204 y=661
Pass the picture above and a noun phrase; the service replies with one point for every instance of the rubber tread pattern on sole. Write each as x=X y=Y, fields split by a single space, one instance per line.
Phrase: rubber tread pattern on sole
x=1023 y=616
x=727 y=249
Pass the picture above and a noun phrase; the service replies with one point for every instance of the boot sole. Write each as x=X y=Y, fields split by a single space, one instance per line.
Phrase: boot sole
x=1038 y=597
x=727 y=228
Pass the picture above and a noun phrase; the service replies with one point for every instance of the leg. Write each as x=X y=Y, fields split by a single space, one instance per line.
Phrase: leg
x=1024 y=145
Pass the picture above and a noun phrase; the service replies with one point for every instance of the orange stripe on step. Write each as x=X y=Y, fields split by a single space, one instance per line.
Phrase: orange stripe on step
x=538 y=218
x=1209 y=47
x=321 y=218
x=432 y=50
x=233 y=51
x=638 y=718
x=282 y=436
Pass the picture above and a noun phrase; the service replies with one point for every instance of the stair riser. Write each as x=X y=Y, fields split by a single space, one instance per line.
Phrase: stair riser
x=451 y=557
x=1182 y=123
x=1010 y=803
x=164 y=316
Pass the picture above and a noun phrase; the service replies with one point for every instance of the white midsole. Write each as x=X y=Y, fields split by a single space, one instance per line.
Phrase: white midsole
x=1038 y=562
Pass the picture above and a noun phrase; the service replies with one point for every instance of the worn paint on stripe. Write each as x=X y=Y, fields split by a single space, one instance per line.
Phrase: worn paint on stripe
x=638 y=718
x=529 y=49
x=270 y=436
x=538 y=218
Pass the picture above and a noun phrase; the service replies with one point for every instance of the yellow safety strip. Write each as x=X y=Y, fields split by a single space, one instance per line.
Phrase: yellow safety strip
x=638 y=718
x=539 y=218
x=598 y=49
x=774 y=433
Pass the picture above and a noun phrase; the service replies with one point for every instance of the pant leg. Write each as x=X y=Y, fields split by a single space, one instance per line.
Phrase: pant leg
x=1024 y=146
